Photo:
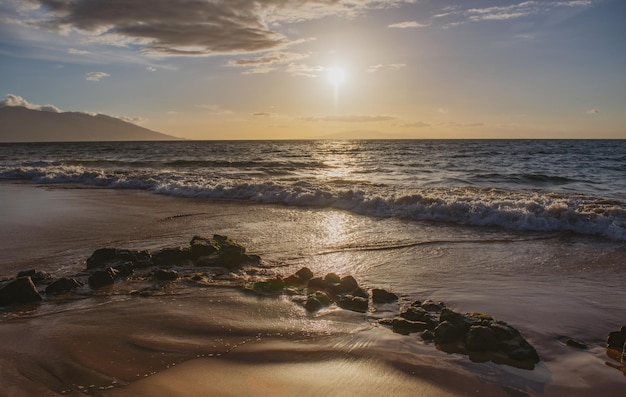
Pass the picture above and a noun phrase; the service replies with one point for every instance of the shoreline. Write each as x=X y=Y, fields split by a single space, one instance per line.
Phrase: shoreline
x=181 y=323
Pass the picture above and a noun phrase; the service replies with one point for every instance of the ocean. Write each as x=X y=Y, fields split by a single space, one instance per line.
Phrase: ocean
x=574 y=186
x=532 y=233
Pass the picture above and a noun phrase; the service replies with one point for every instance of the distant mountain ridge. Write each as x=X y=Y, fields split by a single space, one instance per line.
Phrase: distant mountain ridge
x=20 y=124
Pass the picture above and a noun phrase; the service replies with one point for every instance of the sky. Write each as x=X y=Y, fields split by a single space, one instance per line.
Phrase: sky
x=301 y=69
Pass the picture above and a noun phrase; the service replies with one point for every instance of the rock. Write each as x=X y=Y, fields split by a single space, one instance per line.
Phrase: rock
x=418 y=314
x=524 y=352
x=104 y=257
x=62 y=285
x=332 y=278
x=124 y=269
x=405 y=327
x=316 y=284
x=616 y=340
x=172 y=256
x=503 y=331
x=432 y=306
x=213 y=260
x=575 y=343
x=294 y=281
x=312 y=304
x=231 y=252
x=481 y=338
x=354 y=303
x=383 y=296
x=101 y=278
x=18 y=290
x=37 y=276
x=269 y=287
x=166 y=275
x=347 y=284
x=428 y=336
x=448 y=332
x=305 y=274
x=317 y=301
x=201 y=246
x=360 y=292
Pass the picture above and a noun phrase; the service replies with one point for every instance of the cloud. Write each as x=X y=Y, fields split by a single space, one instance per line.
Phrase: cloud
x=215 y=109
x=96 y=76
x=190 y=27
x=592 y=111
x=408 y=24
x=463 y=125
x=268 y=62
x=151 y=69
x=417 y=124
x=77 y=52
x=16 y=100
x=262 y=114
x=132 y=120
x=380 y=67
x=352 y=119
x=459 y=16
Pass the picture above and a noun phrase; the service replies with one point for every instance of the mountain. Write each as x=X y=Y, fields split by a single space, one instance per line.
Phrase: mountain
x=19 y=124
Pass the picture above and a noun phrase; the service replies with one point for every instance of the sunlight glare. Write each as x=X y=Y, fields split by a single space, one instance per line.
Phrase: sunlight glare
x=336 y=76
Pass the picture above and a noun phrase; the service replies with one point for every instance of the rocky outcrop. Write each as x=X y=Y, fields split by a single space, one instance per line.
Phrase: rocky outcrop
x=37 y=276
x=616 y=349
x=102 y=278
x=475 y=334
x=62 y=285
x=17 y=291
x=111 y=257
x=316 y=293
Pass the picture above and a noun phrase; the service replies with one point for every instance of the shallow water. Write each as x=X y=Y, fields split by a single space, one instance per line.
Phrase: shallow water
x=551 y=286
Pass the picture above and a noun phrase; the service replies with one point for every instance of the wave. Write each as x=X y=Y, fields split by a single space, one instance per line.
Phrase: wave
x=531 y=210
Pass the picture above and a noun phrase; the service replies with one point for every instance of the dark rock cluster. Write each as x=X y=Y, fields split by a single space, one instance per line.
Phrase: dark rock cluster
x=616 y=348
x=475 y=334
x=106 y=265
x=316 y=293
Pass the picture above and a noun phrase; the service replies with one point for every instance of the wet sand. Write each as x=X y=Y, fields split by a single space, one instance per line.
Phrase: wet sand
x=209 y=340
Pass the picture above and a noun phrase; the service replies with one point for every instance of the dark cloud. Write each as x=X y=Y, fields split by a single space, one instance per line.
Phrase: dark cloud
x=193 y=27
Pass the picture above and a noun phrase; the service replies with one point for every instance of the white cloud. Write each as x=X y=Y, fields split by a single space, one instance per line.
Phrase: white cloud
x=16 y=100
x=592 y=111
x=75 y=51
x=96 y=76
x=215 y=109
x=151 y=69
x=459 y=16
x=390 y=66
x=408 y=24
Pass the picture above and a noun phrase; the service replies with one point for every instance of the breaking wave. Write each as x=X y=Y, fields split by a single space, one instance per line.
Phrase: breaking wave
x=525 y=209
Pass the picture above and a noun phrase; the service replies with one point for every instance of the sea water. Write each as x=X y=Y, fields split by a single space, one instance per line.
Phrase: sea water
x=535 y=185
x=530 y=232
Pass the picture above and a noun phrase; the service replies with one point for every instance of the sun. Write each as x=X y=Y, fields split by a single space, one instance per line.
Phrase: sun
x=336 y=76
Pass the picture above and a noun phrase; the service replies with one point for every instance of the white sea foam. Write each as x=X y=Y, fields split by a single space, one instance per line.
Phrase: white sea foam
x=525 y=209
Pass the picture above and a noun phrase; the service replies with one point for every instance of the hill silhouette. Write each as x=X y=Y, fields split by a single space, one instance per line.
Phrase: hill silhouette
x=20 y=124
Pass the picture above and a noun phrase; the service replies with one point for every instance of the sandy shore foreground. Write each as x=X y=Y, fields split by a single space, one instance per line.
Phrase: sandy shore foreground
x=201 y=339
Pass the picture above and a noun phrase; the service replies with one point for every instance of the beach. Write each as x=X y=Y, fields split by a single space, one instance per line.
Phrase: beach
x=206 y=338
